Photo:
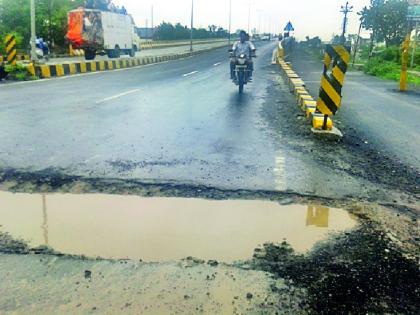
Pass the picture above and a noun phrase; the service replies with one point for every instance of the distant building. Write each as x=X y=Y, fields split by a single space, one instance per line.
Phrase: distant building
x=146 y=32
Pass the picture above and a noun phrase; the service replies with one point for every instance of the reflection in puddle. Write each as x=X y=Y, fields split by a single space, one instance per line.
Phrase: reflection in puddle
x=161 y=229
x=317 y=216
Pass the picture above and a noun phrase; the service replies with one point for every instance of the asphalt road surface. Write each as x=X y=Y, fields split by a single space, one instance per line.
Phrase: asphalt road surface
x=180 y=122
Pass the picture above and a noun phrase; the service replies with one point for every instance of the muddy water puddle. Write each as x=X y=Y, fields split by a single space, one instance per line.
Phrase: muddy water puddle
x=163 y=229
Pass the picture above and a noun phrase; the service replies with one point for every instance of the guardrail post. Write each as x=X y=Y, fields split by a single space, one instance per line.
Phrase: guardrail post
x=337 y=59
x=11 y=52
x=404 y=64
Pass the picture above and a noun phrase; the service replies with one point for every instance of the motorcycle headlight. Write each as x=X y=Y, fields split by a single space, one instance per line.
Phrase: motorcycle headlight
x=241 y=61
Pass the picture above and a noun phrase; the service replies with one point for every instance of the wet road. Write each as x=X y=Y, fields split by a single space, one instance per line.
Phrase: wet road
x=178 y=122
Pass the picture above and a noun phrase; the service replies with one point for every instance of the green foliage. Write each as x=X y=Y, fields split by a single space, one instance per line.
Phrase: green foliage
x=384 y=69
x=167 y=31
x=51 y=19
x=386 y=19
x=19 y=73
x=389 y=70
x=392 y=53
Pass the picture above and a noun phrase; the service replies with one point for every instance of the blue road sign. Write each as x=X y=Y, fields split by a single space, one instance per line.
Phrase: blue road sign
x=289 y=27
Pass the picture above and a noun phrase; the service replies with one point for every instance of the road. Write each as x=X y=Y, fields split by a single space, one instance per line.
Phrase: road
x=181 y=122
x=181 y=129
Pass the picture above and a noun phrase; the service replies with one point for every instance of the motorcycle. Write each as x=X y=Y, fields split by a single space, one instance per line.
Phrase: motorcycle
x=242 y=71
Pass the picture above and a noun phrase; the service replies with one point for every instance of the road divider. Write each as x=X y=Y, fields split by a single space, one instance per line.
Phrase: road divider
x=46 y=71
x=319 y=111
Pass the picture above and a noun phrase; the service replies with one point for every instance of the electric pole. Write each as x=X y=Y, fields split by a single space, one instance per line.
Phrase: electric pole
x=152 y=19
x=230 y=20
x=345 y=10
x=249 y=17
x=33 y=33
x=192 y=25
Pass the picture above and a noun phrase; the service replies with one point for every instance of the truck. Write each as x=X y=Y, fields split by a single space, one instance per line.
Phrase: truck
x=103 y=32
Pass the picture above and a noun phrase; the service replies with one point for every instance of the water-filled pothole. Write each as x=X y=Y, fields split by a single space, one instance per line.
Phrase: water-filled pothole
x=162 y=229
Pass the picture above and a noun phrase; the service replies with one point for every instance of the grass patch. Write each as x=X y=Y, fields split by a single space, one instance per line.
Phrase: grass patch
x=388 y=70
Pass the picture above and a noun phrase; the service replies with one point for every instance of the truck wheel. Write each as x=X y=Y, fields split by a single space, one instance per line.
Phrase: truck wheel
x=90 y=54
x=132 y=52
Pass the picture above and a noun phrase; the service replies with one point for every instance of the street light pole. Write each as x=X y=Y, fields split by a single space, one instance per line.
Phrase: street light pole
x=152 y=17
x=346 y=10
x=230 y=20
x=33 y=32
x=249 y=17
x=192 y=25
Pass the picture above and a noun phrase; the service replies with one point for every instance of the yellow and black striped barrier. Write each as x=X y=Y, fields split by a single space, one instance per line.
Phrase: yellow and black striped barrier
x=11 y=53
x=320 y=122
x=336 y=60
x=45 y=71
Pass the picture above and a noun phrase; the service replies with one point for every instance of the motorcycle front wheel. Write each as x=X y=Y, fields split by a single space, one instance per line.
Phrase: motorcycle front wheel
x=241 y=82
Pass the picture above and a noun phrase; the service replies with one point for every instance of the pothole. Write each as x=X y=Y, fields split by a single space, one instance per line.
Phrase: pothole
x=164 y=229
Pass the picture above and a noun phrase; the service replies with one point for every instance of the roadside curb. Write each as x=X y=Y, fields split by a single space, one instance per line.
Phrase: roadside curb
x=45 y=71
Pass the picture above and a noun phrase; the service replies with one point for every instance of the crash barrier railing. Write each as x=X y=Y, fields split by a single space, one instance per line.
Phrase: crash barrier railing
x=404 y=64
x=45 y=71
x=162 y=44
x=319 y=111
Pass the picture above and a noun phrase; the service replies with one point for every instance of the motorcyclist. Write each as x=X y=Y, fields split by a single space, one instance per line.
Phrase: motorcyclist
x=246 y=47
x=43 y=46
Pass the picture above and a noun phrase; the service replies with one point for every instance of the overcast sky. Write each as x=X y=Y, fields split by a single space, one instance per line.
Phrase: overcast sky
x=309 y=17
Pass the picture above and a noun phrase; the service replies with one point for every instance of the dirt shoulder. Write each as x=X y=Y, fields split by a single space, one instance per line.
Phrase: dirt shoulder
x=41 y=284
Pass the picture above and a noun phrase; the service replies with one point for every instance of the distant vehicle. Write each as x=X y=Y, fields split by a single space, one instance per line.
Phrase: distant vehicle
x=102 y=31
x=266 y=37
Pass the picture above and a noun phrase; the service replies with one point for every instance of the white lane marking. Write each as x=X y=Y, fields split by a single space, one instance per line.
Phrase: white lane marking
x=217 y=64
x=191 y=73
x=117 y=96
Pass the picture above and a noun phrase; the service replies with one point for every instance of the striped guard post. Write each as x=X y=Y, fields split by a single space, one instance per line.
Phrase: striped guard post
x=336 y=57
x=11 y=53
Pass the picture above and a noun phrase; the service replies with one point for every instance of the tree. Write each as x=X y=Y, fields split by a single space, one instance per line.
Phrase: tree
x=167 y=31
x=387 y=19
x=51 y=19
